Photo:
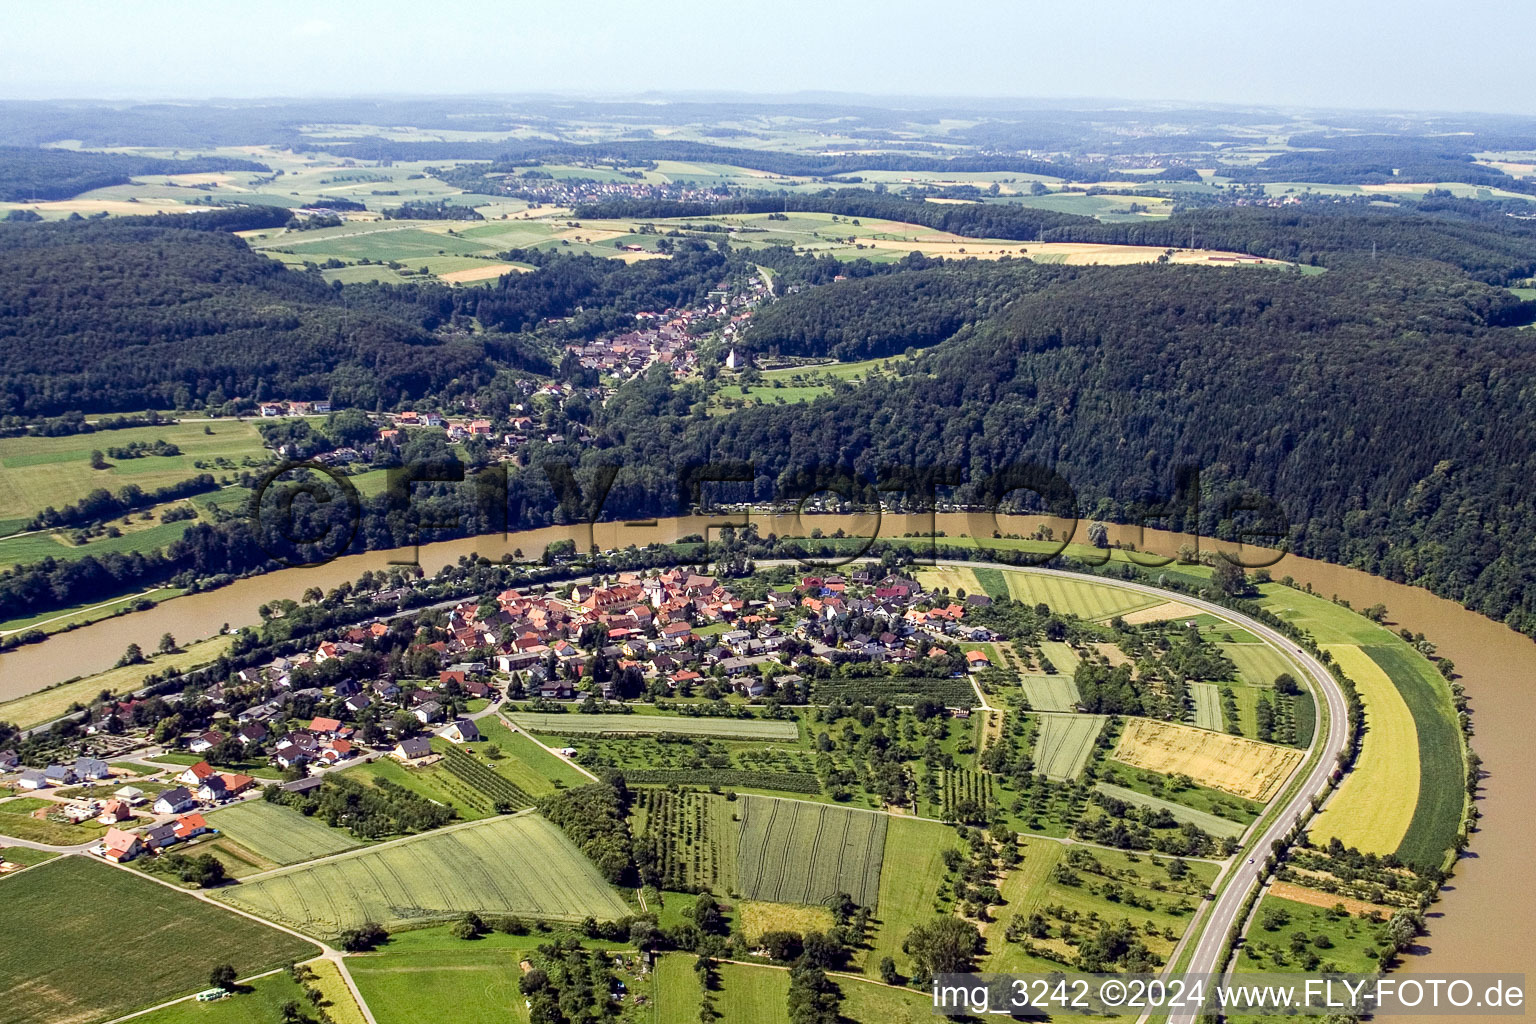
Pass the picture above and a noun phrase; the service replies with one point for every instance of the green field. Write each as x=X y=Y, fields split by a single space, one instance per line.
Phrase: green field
x=36 y=472
x=527 y=765
x=793 y=851
x=1207 y=700
x=676 y=990
x=261 y=1002
x=719 y=728
x=1259 y=664
x=1064 y=742
x=279 y=834
x=909 y=882
x=1061 y=656
x=59 y=967
x=16 y=821
x=433 y=782
x=1202 y=799
x=1348 y=939
x=750 y=995
x=476 y=984
x=753 y=994
x=437 y=876
x=1073 y=596
x=1148 y=896
x=1209 y=823
x=993 y=582
x=1050 y=693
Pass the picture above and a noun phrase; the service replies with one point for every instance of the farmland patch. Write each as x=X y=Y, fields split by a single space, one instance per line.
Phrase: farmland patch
x=1064 y=742
x=1239 y=766
x=437 y=876
x=797 y=852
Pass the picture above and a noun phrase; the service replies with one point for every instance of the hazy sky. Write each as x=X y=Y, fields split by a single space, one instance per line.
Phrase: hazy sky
x=1407 y=54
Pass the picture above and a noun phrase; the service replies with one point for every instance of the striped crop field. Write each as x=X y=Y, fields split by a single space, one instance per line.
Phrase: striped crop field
x=792 y=851
x=1050 y=693
x=1074 y=596
x=1207 y=700
x=1208 y=823
x=281 y=835
x=1064 y=742
x=648 y=725
x=519 y=865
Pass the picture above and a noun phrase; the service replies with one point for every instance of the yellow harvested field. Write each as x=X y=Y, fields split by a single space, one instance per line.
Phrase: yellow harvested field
x=86 y=207
x=478 y=273
x=1312 y=897
x=1232 y=764
x=1161 y=613
x=1374 y=807
x=1116 y=656
x=758 y=917
x=953 y=577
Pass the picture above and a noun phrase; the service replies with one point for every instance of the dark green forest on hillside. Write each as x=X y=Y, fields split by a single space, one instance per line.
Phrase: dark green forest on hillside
x=1384 y=406
x=27 y=174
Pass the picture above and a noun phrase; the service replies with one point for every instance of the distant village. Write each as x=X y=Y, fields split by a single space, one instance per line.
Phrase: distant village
x=668 y=338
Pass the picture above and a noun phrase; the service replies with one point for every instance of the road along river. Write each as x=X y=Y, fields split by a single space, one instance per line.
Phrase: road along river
x=1481 y=923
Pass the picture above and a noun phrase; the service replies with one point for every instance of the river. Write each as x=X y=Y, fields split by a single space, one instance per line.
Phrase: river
x=1480 y=924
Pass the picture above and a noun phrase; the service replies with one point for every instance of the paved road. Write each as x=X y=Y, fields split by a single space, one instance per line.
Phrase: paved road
x=1248 y=866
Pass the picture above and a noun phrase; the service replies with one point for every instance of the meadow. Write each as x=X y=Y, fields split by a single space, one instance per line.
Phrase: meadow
x=56 y=471
x=16 y=821
x=60 y=968
x=756 y=918
x=758 y=994
x=517 y=865
x=1207 y=700
x=1198 y=798
x=1063 y=744
x=1072 y=596
x=910 y=873
x=1209 y=823
x=1061 y=656
x=280 y=834
x=1348 y=938
x=259 y=1002
x=1050 y=693
x=1144 y=892
x=478 y=982
x=621 y=725
x=1259 y=664
x=793 y=851
x=1242 y=767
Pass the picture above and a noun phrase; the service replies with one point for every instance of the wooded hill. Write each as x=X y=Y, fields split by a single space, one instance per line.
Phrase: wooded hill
x=28 y=174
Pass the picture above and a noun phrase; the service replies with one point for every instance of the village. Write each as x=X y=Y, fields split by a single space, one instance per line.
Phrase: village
x=665 y=637
x=591 y=372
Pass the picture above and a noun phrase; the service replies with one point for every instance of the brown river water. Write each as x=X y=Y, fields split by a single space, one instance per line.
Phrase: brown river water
x=1485 y=921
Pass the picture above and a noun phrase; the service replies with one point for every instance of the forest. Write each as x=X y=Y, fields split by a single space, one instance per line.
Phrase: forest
x=1380 y=406
x=28 y=174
